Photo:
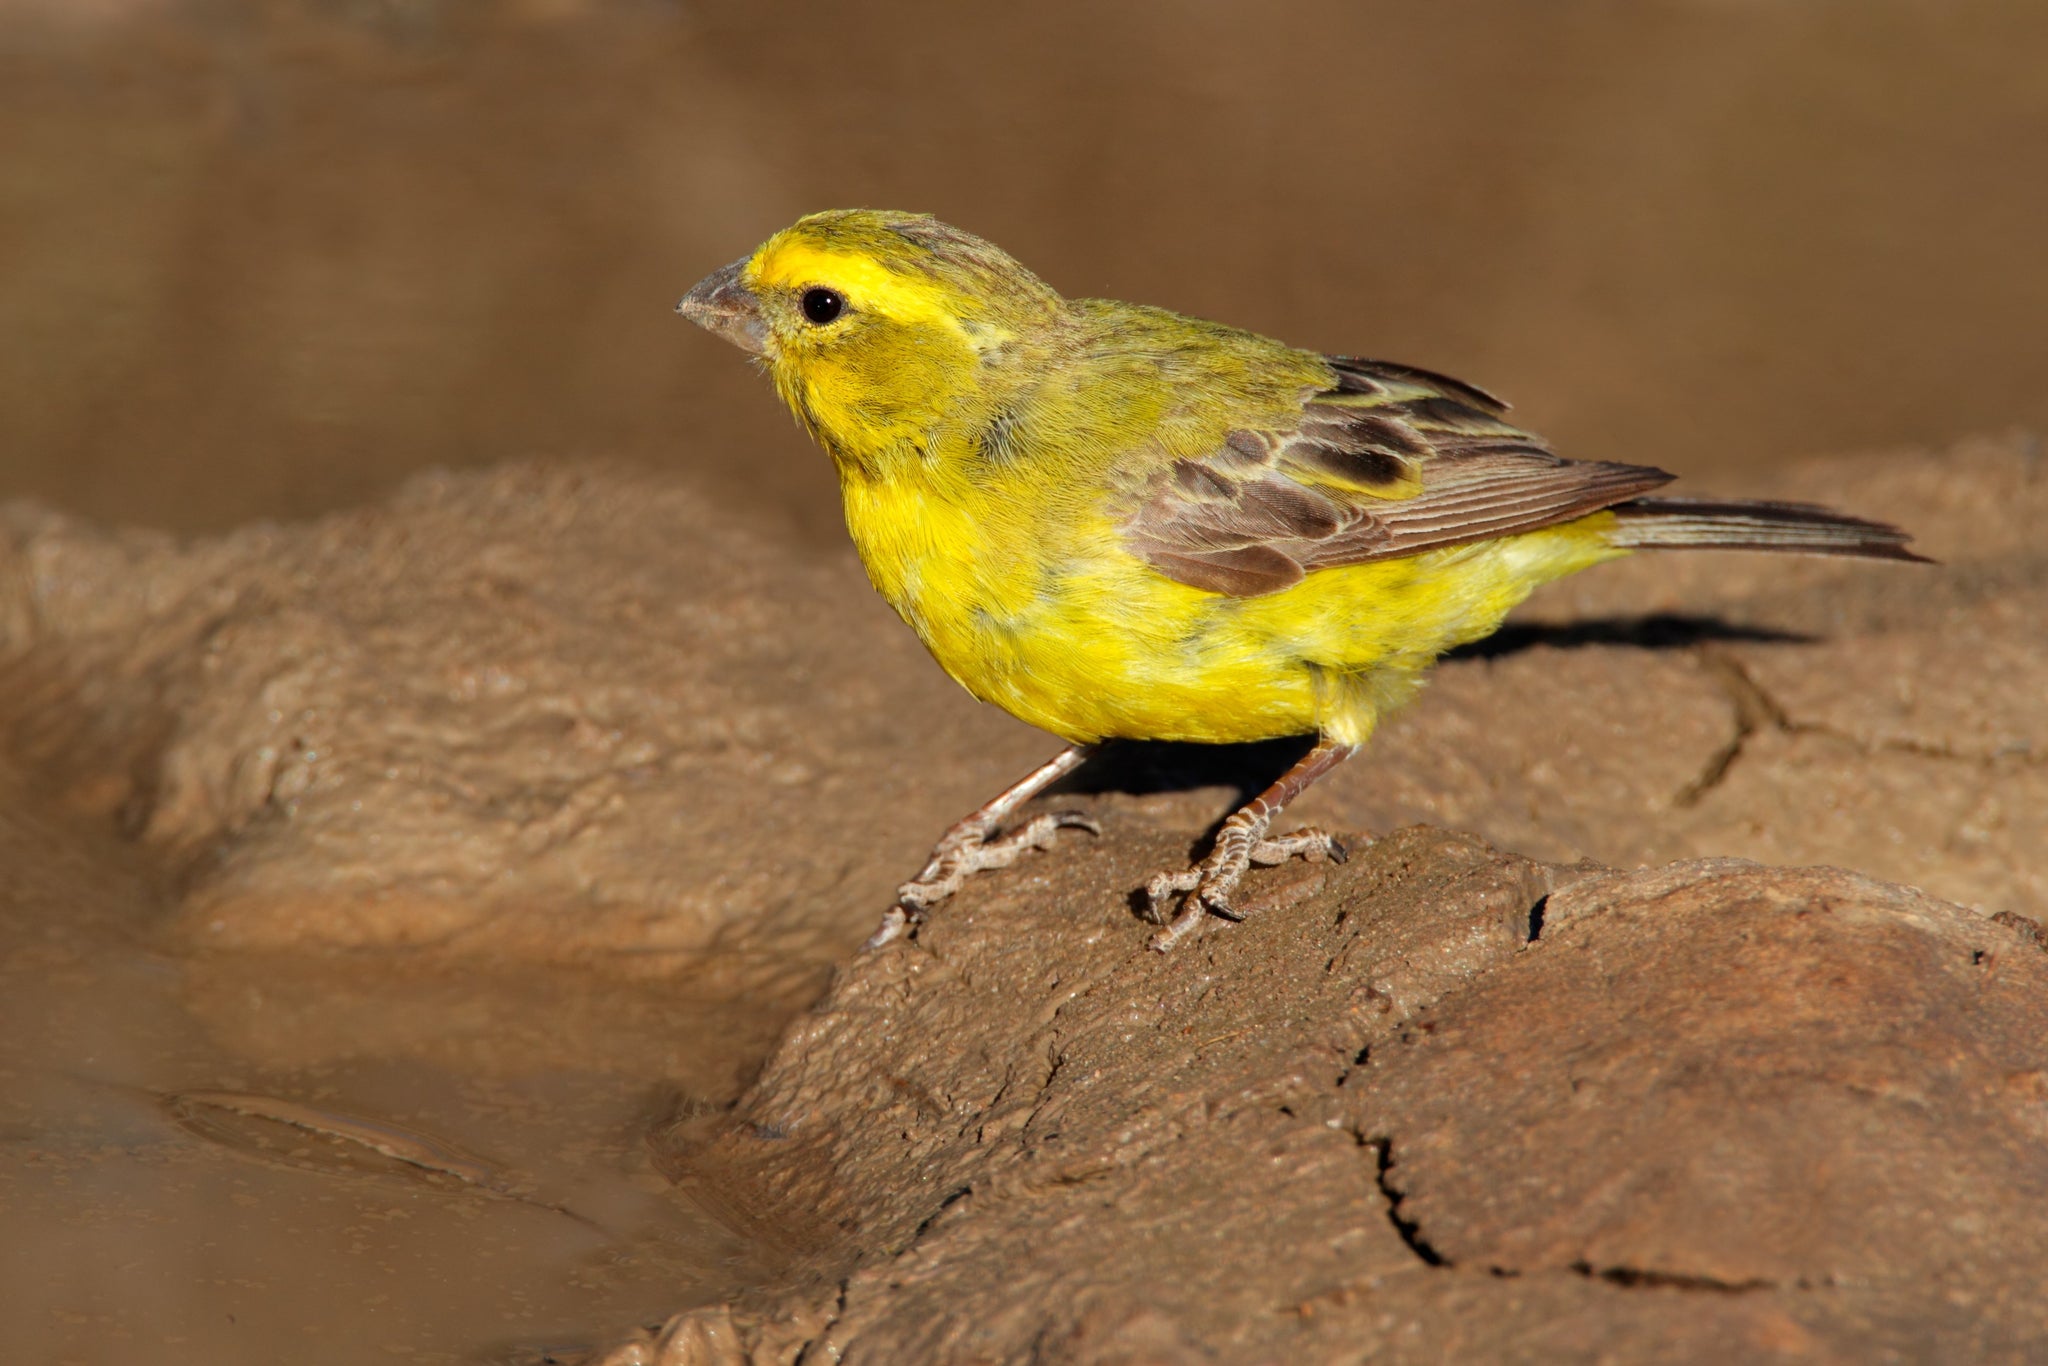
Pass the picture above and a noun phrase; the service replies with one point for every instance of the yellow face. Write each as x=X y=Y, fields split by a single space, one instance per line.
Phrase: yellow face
x=873 y=323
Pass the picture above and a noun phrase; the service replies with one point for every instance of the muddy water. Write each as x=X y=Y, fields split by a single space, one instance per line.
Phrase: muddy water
x=266 y=259
x=310 y=1161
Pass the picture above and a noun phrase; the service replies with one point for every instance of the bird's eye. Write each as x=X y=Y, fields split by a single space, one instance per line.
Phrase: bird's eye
x=822 y=305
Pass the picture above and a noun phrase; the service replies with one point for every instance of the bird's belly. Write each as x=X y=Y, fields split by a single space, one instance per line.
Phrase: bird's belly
x=1066 y=630
x=1106 y=648
x=1076 y=637
x=1125 y=656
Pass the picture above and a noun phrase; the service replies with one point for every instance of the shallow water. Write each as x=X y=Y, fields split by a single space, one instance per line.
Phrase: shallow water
x=208 y=1162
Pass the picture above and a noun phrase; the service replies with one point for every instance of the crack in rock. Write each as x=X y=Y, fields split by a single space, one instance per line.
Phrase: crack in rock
x=1754 y=709
x=1638 y=1278
x=925 y=1225
x=1409 y=1230
x=1757 y=711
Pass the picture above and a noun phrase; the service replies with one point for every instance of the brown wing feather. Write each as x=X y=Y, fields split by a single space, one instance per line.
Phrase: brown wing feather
x=1389 y=461
x=1356 y=374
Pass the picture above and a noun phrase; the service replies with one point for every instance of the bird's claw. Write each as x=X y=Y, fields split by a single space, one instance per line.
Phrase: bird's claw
x=968 y=849
x=1206 y=888
x=1163 y=888
x=895 y=921
x=1312 y=846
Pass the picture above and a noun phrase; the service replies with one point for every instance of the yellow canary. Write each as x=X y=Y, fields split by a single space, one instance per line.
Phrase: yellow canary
x=1113 y=521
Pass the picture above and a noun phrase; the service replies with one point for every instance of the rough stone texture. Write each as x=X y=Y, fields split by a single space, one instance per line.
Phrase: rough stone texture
x=1746 y=1076
x=539 y=713
x=508 y=722
x=544 y=712
x=1712 y=1111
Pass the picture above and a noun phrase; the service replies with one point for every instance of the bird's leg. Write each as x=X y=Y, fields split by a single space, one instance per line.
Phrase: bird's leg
x=1242 y=842
x=969 y=847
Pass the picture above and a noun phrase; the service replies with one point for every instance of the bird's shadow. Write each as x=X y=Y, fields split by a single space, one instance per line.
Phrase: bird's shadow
x=1141 y=767
x=1658 y=631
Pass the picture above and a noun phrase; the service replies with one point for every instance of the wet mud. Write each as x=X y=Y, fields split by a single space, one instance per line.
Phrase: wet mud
x=315 y=1160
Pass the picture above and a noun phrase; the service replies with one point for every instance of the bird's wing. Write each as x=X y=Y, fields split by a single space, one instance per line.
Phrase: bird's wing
x=1387 y=462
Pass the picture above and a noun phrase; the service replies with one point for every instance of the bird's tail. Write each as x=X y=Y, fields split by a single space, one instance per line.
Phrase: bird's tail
x=1714 y=524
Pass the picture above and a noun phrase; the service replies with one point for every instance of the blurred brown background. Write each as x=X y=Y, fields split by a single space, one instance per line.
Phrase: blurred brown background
x=266 y=259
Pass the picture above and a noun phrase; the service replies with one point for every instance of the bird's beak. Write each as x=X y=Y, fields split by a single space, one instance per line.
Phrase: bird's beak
x=722 y=303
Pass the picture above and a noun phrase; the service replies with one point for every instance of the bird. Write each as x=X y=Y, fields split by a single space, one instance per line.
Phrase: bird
x=1116 y=522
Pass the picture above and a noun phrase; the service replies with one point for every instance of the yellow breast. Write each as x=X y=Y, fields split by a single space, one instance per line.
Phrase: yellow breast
x=1052 y=620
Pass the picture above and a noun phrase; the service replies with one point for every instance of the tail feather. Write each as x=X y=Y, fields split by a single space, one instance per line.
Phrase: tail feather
x=1715 y=524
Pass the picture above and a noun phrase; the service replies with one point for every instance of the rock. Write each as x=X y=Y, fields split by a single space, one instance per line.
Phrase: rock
x=1710 y=1111
x=545 y=713
x=1801 y=1077
x=533 y=715
x=1440 y=1101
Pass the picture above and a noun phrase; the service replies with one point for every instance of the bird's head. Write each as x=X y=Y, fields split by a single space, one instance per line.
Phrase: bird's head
x=879 y=328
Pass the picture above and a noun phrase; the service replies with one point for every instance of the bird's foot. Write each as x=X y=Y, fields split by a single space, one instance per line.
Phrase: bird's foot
x=1206 y=888
x=968 y=848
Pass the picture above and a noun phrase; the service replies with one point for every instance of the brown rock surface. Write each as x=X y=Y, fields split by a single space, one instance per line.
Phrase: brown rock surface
x=1712 y=1112
x=517 y=721
x=537 y=714
x=1747 y=1076
x=549 y=713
